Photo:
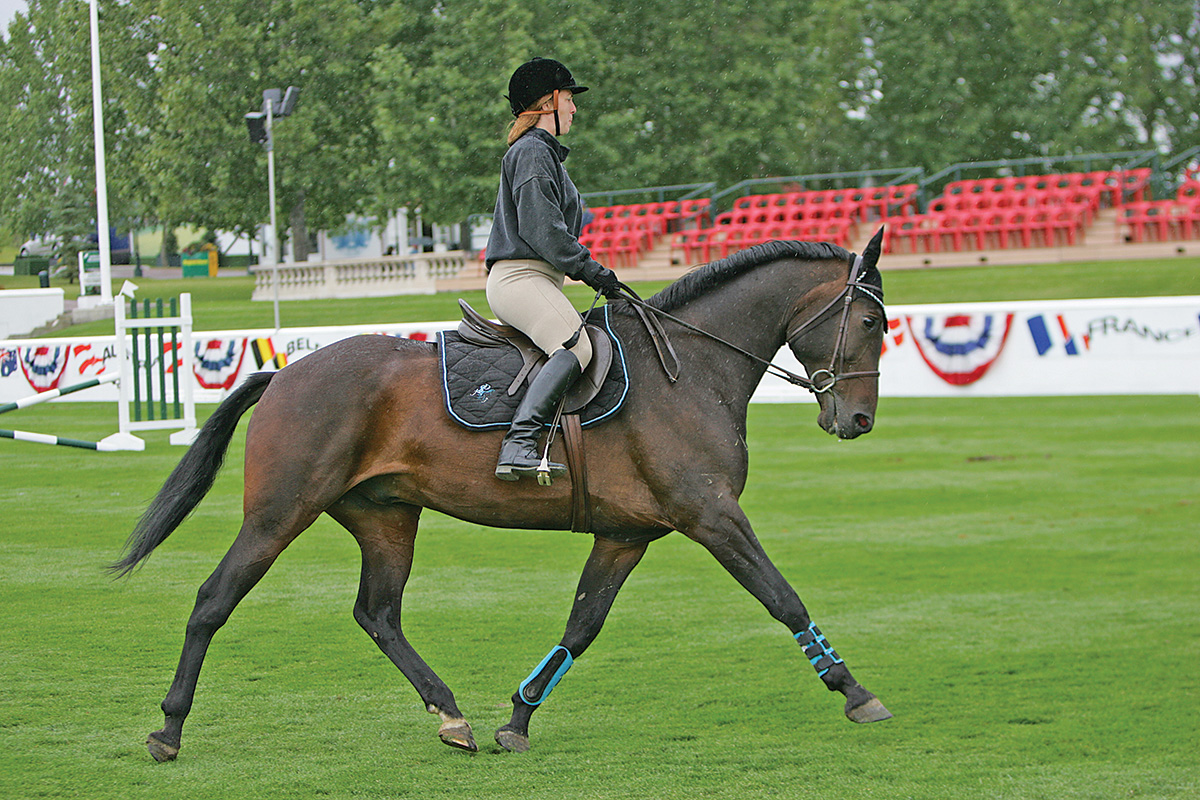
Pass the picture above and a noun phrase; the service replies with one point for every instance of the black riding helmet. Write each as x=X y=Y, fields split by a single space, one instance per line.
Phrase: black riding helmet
x=537 y=78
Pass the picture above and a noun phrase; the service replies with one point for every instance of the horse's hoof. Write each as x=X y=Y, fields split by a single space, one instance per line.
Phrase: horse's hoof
x=512 y=741
x=457 y=733
x=160 y=750
x=870 y=711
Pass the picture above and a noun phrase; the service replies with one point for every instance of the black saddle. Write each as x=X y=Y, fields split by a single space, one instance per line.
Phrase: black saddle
x=486 y=367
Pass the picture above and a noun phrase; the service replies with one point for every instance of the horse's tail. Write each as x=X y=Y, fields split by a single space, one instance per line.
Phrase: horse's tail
x=192 y=477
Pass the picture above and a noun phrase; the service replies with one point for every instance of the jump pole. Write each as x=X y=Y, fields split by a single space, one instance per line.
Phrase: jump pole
x=108 y=444
x=42 y=397
x=61 y=441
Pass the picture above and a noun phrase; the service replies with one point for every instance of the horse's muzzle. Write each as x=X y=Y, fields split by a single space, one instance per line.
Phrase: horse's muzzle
x=845 y=426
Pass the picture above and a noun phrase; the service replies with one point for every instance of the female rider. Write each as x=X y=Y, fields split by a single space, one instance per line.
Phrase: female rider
x=534 y=246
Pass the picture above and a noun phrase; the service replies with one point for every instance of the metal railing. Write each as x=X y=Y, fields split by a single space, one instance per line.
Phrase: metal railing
x=651 y=194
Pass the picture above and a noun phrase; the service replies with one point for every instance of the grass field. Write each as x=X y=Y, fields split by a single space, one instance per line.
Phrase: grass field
x=1017 y=579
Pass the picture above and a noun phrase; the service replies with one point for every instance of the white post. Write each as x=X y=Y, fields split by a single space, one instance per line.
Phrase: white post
x=271 y=199
x=123 y=438
x=186 y=375
x=101 y=174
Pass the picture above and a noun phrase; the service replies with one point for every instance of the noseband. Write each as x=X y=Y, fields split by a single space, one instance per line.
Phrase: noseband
x=822 y=380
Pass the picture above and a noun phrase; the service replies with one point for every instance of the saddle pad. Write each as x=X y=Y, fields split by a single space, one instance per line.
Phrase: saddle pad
x=475 y=381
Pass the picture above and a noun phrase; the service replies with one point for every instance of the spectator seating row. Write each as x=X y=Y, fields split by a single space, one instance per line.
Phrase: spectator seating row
x=859 y=203
x=987 y=213
x=1110 y=188
x=1162 y=220
x=830 y=215
x=619 y=235
x=1030 y=211
x=985 y=230
x=707 y=244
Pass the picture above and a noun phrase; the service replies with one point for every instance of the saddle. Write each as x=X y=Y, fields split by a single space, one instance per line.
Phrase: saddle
x=487 y=365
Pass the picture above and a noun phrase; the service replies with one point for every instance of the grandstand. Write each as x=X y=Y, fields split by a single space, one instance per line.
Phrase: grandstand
x=1126 y=211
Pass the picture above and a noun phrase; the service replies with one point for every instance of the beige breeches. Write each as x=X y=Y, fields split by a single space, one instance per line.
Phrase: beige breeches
x=528 y=295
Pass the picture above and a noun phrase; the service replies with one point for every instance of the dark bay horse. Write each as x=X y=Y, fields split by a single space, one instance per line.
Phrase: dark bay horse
x=357 y=430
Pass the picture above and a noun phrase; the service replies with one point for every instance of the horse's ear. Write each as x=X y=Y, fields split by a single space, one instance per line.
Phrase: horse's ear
x=874 y=248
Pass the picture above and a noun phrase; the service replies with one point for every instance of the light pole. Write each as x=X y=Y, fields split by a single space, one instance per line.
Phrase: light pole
x=276 y=103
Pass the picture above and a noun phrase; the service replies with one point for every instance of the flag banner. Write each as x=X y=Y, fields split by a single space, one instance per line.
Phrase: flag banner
x=960 y=348
x=1104 y=346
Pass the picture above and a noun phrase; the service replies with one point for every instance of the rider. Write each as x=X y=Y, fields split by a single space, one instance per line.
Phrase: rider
x=534 y=246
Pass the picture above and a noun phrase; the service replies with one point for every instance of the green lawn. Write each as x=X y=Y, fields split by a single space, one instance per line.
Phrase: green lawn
x=1016 y=579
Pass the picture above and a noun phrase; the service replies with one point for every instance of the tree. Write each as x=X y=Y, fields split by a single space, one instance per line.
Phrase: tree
x=212 y=63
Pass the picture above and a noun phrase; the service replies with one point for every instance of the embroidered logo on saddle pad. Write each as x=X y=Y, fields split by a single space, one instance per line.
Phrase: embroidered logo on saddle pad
x=476 y=380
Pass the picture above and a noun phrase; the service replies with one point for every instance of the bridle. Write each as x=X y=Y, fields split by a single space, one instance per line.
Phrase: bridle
x=821 y=380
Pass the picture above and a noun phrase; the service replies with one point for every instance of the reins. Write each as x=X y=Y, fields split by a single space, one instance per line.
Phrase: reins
x=812 y=383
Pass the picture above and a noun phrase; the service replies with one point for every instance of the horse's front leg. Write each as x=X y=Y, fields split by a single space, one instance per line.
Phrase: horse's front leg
x=608 y=565
x=726 y=533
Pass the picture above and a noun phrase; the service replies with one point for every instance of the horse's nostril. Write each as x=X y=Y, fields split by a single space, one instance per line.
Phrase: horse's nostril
x=862 y=420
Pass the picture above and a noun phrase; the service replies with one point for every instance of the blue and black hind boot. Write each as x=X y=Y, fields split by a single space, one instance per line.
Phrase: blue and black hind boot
x=518 y=452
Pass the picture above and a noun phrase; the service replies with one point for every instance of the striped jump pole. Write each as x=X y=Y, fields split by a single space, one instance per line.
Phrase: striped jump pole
x=107 y=445
x=42 y=397
x=61 y=441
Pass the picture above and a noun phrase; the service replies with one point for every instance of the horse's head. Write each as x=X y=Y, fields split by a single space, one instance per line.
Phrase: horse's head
x=840 y=345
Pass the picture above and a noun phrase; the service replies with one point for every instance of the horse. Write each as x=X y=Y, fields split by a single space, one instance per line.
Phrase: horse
x=357 y=430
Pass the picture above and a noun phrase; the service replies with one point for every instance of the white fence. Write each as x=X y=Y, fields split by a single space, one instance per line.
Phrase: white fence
x=1052 y=347
x=382 y=276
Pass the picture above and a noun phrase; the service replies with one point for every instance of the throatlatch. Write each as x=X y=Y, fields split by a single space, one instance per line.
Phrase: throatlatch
x=817 y=650
x=545 y=676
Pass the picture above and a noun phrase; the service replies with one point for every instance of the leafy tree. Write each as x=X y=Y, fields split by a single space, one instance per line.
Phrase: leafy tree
x=212 y=63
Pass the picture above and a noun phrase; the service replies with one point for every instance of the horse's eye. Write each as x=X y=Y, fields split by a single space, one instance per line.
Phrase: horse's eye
x=870 y=322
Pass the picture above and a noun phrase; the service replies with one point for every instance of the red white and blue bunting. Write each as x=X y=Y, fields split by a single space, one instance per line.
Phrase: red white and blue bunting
x=960 y=348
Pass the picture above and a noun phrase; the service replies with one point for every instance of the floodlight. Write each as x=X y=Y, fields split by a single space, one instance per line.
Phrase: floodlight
x=290 y=98
x=271 y=100
x=256 y=122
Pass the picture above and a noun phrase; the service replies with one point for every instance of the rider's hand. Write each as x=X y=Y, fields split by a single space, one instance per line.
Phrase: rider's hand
x=605 y=281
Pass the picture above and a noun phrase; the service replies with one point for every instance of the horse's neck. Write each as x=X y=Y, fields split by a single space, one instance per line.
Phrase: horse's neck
x=752 y=311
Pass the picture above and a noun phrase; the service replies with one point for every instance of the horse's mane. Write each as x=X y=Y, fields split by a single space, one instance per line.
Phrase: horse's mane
x=715 y=273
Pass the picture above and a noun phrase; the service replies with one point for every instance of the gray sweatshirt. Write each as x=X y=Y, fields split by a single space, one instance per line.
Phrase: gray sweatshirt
x=539 y=212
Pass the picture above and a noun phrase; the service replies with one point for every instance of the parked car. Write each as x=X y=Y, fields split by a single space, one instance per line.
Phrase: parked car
x=49 y=246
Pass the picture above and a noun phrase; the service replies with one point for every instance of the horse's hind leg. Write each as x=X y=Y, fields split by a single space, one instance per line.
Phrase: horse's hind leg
x=608 y=565
x=252 y=554
x=385 y=534
x=727 y=534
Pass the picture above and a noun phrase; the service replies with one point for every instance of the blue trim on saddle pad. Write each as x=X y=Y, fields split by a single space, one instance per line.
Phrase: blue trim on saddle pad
x=554 y=679
x=817 y=650
x=486 y=394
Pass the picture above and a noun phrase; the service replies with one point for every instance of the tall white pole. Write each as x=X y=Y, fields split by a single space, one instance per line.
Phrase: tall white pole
x=271 y=199
x=101 y=173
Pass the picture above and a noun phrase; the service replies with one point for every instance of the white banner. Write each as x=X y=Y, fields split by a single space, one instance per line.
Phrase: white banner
x=1054 y=347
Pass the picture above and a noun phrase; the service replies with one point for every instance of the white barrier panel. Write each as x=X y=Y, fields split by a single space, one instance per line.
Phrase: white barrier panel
x=1064 y=347
x=1037 y=348
x=23 y=310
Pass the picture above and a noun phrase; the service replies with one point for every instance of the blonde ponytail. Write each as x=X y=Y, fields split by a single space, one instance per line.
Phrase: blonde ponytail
x=523 y=123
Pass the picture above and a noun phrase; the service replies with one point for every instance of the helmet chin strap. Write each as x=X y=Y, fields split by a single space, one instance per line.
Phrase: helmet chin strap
x=540 y=111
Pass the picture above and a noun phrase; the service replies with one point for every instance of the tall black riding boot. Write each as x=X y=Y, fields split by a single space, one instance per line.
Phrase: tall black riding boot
x=518 y=452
